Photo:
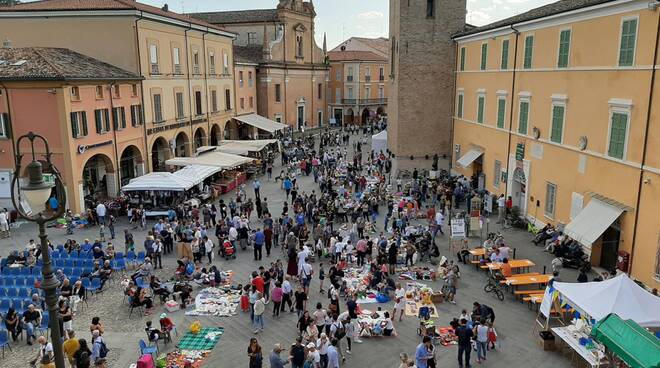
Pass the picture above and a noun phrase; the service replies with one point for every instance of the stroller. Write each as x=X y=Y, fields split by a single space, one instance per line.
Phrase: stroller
x=228 y=250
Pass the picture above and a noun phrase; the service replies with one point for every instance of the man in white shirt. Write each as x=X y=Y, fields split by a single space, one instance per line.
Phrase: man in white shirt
x=208 y=247
x=439 y=221
x=233 y=235
x=100 y=212
x=339 y=247
x=256 y=184
x=501 y=209
x=311 y=351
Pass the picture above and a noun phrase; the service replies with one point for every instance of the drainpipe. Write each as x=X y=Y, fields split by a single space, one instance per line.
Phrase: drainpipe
x=206 y=89
x=452 y=127
x=147 y=151
x=513 y=88
x=645 y=146
x=190 y=96
x=115 y=125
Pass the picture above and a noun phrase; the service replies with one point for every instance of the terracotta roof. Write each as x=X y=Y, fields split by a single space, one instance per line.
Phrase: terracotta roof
x=63 y=5
x=381 y=44
x=558 y=7
x=248 y=54
x=355 y=56
x=48 y=63
x=239 y=16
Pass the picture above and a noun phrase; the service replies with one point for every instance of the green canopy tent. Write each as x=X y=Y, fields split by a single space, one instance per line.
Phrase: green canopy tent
x=634 y=345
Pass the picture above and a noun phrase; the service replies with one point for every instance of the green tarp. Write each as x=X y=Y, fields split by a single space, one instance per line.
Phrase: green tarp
x=629 y=341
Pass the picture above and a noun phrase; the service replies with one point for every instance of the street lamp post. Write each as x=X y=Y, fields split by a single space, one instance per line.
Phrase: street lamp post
x=29 y=199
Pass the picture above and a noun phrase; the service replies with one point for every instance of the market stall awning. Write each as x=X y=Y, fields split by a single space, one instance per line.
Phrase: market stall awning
x=261 y=122
x=619 y=295
x=379 y=142
x=239 y=147
x=217 y=159
x=469 y=157
x=159 y=181
x=196 y=173
x=629 y=341
x=592 y=222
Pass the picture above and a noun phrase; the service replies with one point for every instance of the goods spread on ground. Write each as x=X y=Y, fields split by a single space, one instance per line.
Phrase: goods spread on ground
x=213 y=301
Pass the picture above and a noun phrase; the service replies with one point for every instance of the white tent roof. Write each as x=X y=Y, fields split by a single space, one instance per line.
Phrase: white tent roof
x=159 y=181
x=217 y=159
x=196 y=173
x=239 y=147
x=261 y=122
x=469 y=157
x=619 y=295
x=592 y=222
x=379 y=141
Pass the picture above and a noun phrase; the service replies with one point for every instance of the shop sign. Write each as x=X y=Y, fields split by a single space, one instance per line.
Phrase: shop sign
x=84 y=147
x=164 y=128
x=520 y=151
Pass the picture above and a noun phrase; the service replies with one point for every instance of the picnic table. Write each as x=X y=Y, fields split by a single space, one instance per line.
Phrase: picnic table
x=526 y=279
x=514 y=263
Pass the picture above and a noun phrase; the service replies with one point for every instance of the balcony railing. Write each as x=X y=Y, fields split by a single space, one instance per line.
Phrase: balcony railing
x=154 y=69
x=349 y=78
x=364 y=101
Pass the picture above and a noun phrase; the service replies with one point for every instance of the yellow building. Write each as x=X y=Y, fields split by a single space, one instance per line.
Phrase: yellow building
x=558 y=108
x=187 y=64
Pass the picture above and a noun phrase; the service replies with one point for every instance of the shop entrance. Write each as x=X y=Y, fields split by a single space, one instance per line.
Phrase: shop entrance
x=339 y=116
x=160 y=152
x=98 y=176
x=129 y=165
x=519 y=189
x=610 y=247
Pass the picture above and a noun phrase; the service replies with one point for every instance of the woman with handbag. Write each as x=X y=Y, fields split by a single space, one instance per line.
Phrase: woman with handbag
x=255 y=354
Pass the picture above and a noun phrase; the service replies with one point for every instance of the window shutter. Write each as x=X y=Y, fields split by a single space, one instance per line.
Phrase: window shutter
x=133 y=116
x=106 y=121
x=84 y=123
x=74 y=125
x=98 y=121
x=5 y=126
x=115 y=118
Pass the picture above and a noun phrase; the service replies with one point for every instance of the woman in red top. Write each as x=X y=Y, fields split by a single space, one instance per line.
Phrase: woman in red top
x=258 y=282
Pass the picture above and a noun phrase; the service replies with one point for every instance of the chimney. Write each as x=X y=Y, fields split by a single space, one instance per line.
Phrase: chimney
x=6 y=44
x=165 y=8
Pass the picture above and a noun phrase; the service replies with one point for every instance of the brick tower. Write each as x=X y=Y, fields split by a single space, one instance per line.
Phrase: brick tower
x=422 y=57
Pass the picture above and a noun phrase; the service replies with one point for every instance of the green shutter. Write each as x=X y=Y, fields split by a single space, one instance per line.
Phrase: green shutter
x=84 y=123
x=501 y=108
x=529 y=48
x=74 y=125
x=505 y=55
x=484 y=56
x=618 y=135
x=115 y=118
x=106 y=121
x=480 y=110
x=627 y=47
x=523 y=118
x=557 y=124
x=462 y=58
x=459 y=113
x=98 y=121
x=564 y=47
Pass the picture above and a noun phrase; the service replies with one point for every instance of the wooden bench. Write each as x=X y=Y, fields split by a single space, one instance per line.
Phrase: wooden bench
x=533 y=300
x=525 y=292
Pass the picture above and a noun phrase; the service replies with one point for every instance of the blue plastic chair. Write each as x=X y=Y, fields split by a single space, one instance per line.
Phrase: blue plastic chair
x=3 y=292
x=95 y=286
x=12 y=292
x=20 y=282
x=144 y=349
x=12 y=271
x=10 y=280
x=36 y=270
x=119 y=265
x=139 y=282
x=3 y=263
x=68 y=262
x=45 y=319
x=60 y=248
x=140 y=257
x=5 y=304
x=24 y=271
x=119 y=255
x=4 y=341
x=24 y=293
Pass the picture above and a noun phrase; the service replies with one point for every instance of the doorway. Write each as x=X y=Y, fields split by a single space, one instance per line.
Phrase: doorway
x=519 y=189
x=301 y=117
x=339 y=116
x=610 y=247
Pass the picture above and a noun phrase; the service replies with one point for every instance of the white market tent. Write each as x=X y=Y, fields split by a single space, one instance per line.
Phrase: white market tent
x=619 y=295
x=159 y=181
x=238 y=147
x=379 y=142
x=196 y=173
x=261 y=122
x=216 y=159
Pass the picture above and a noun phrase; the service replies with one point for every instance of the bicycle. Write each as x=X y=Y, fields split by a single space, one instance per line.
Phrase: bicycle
x=493 y=286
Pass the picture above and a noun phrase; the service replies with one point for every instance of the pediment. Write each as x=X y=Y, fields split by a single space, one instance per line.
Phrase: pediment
x=300 y=28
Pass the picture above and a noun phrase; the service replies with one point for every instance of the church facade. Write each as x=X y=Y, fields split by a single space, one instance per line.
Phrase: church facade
x=292 y=72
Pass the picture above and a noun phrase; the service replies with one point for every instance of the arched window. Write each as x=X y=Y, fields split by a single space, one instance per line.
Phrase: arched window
x=299 y=46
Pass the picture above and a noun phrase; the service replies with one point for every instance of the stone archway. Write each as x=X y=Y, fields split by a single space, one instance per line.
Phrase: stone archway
x=231 y=130
x=131 y=164
x=350 y=116
x=160 y=152
x=380 y=111
x=182 y=145
x=216 y=135
x=199 y=138
x=99 y=179
x=364 y=117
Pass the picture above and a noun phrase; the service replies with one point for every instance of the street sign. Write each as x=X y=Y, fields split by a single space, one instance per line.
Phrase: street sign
x=520 y=151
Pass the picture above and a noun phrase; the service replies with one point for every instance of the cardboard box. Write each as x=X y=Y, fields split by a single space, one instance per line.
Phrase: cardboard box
x=172 y=306
x=547 y=340
x=437 y=298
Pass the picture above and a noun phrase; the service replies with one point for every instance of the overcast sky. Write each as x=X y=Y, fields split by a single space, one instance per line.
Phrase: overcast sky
x=341 y=19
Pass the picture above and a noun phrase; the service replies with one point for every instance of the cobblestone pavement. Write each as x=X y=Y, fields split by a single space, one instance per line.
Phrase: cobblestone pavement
x=515 y=321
